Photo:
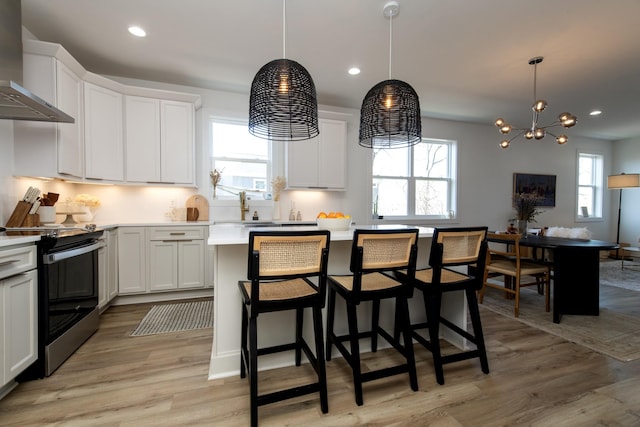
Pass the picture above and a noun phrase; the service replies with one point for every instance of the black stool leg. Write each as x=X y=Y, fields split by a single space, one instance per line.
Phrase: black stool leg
x=355 y=352
x=403 y=306
x=375 y=316
x=243 y=342
x=432 y=303
x=331 y=308
x=474 y=313
x=322 y=373
x=299 y=317
x=253 y=369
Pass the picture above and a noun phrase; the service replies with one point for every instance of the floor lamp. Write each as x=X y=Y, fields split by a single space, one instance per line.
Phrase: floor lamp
x=622 y=181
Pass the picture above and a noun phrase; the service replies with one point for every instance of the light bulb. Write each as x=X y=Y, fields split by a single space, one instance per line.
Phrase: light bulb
x=504 y=144
x=539 y=105
x=284 y=84
x=562 y=139
x=499 y=122
x=538 y=133
x=505 y=129
x=528 y=134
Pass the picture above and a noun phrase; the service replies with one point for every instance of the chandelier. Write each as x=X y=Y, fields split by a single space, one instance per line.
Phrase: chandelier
x=536 y=131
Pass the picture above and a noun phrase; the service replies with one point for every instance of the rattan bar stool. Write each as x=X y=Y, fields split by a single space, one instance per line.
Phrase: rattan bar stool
x=452 y=249
x=375 y=255
x=280 y=268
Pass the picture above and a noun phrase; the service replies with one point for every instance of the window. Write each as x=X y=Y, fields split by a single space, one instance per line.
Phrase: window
x=243 y=158
x=415 y=181
x=590 y=184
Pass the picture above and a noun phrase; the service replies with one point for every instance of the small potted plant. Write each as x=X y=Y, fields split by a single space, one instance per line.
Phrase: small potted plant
x=526 y=206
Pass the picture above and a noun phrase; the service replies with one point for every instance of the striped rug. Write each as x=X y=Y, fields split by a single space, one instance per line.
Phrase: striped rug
x=176 y=317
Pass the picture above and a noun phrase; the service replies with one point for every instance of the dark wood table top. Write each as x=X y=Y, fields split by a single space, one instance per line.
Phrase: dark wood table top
x=550 y=242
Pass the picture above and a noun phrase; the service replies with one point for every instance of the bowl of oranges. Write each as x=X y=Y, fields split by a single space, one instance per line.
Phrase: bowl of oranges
x=333 y=221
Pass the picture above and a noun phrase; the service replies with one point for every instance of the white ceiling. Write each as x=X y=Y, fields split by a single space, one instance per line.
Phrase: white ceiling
x=467 y=59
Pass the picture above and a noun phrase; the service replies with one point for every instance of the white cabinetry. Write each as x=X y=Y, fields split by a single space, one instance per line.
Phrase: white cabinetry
x=104 y=159
x=160 y=259
x=132 y=260
x=108 y=269
x=54 y=150
x=176 y=258
x=159 y=138
x=18 y=311
x=319 y=163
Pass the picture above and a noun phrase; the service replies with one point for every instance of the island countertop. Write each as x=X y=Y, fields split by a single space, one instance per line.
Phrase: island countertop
x=238 y=234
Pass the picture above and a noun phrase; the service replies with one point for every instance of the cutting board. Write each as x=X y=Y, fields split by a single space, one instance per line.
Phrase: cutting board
x=201 y=203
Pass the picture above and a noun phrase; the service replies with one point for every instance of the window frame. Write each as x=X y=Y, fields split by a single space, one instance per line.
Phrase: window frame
x=596 y=211
x=412 y=180
x=223 y=195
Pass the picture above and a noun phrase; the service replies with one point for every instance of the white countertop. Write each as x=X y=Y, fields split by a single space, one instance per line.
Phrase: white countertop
x=237 y=234
x=17 y=240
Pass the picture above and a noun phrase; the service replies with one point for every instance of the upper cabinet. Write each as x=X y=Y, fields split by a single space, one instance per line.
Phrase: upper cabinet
x=104 y=158
x=53 y=150
x=122 y=134
x=159 y=140
x=319 y=163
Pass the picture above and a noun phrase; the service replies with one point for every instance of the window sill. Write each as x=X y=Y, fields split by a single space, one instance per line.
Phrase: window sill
x=589 y=219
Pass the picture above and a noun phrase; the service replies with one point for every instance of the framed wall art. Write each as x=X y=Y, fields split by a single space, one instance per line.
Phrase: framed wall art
x=543 y=186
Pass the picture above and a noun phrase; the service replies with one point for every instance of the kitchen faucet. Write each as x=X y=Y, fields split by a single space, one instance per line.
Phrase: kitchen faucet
x=243 y=204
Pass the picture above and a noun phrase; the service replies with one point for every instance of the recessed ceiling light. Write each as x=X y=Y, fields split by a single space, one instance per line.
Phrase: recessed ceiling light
x=595 y=113
x=137 y=31
x=354 y=71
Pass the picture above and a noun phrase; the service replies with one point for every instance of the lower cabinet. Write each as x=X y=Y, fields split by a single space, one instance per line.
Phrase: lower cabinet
x=108 y=269
x=161 y=259
x=18 y=324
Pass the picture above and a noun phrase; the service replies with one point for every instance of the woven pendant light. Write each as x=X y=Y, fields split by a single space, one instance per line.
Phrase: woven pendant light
x=390 y=113
x=283 y=105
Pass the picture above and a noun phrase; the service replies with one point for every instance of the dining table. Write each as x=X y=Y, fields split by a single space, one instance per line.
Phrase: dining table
x=576 y=272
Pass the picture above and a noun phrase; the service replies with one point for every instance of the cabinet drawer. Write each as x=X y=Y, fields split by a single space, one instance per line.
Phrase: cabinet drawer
x=171 y=233
x=15 y=261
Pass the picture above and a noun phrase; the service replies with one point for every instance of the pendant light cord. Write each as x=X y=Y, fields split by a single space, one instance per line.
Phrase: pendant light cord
x=284 y=28
x=390 y=42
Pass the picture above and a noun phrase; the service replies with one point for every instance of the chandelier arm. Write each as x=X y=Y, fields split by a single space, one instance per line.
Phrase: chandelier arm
x=521 y=131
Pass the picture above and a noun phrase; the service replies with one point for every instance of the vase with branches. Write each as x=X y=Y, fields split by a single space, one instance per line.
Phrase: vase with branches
x=526 y=206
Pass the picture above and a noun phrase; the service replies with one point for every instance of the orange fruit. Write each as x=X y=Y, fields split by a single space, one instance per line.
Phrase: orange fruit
x=331 y=215
x=347 y=216
x=339 y=215
x=322 y=215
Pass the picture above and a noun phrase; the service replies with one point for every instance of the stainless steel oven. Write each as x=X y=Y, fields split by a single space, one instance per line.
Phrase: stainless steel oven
x=67 y=297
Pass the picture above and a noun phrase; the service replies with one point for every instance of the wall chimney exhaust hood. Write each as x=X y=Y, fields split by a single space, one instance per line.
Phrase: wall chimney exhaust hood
x=16 y=102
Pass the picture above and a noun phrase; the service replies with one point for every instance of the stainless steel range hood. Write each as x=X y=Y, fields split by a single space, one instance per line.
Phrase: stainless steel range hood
x=16 y=102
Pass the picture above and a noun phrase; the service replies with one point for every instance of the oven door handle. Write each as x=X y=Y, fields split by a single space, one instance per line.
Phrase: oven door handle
x=53 y=258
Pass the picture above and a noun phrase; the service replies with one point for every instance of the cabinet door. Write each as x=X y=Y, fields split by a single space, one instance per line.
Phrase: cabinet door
x=20 y=316
x=103 y=293
x=132 y=260
x=103 y=133
x=163 y=265
x=112 y=264
x=319 y=162
x=177 y=142
x=191 y=264
x=142 y=139
x=70 y=136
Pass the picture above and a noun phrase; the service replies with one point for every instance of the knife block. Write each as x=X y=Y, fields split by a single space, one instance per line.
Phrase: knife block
x=19 y=215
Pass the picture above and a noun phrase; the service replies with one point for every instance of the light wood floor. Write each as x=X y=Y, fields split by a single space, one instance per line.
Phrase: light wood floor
x=161 y=380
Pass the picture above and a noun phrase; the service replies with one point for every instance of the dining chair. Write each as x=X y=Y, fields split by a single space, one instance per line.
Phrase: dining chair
x=507 y=260
x=456 y=263
x=287 y=270
x=375 y=256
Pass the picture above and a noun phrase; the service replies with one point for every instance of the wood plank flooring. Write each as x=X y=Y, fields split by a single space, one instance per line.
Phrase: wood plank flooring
x=161 y=380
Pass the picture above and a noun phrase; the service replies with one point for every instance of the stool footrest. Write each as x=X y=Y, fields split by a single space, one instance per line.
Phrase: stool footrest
x=280 y=395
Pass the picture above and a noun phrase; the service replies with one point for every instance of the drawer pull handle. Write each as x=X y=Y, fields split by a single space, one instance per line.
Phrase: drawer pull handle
x=177 y=234
x=11 y=261
x=172 y=241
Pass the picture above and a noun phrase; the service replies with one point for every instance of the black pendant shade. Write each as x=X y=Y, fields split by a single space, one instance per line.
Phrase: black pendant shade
x=283 y=105
x=390 y=116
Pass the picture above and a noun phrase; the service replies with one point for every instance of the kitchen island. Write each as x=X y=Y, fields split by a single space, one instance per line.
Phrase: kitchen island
x=230 y=247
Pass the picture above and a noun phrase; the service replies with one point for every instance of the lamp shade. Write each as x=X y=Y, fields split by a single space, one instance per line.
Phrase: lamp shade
x=283 y=104
x=624 y=180
x=390 y=116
